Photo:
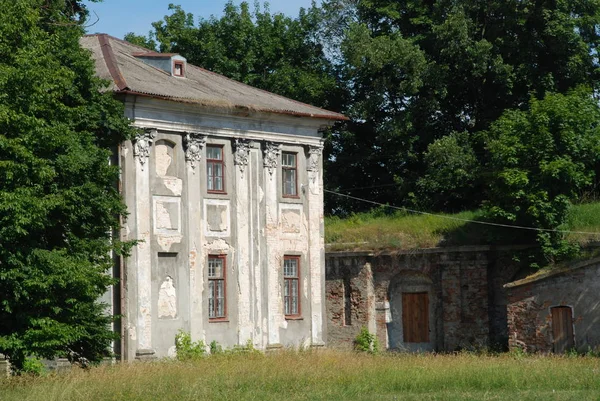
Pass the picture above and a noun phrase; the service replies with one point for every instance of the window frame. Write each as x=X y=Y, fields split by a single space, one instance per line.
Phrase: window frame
x=214 y=162
x=223 y=278
x=285 y=168
x=287 y=283
x=175 y=64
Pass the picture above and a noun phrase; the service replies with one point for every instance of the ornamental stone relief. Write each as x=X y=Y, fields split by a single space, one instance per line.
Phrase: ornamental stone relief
x=194 y=143
x=141 y=145
x=242 y=153
x=271 y=153
x=314 y=154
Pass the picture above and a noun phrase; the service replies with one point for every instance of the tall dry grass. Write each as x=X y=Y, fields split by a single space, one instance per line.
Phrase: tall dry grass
x=326 y=375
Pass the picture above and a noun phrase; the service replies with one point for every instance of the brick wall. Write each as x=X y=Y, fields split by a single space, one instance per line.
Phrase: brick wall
x=530 y=302
x=465 y=287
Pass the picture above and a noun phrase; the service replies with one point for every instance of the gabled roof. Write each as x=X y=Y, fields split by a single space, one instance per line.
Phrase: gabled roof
x=116 y=61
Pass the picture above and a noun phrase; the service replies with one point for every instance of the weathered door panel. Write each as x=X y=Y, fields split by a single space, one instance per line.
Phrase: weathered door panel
x=415 y=317
x=562 y=329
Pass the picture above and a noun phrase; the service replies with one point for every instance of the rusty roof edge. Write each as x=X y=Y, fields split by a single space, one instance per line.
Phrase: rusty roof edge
x=111 y=61
x=552 y=273
x=333 y=117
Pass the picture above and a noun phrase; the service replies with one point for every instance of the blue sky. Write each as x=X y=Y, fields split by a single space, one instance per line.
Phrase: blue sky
x=117 y=17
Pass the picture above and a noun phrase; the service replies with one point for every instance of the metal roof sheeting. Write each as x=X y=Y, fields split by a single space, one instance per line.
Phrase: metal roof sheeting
x=115 y=61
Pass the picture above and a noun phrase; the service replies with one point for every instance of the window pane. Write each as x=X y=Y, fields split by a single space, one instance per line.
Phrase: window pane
x=289 y=182
x=214 y=152
x=215 y=267
x=211 y=299
x=288 y=159
x=286 y=301
x=290 y=267
x=209 y=175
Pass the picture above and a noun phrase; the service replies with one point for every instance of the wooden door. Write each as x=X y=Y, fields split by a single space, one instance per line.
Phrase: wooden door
x=415 y=317
x=562 y=329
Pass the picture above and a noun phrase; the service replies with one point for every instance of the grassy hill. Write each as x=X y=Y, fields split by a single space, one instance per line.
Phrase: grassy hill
x=378 y=230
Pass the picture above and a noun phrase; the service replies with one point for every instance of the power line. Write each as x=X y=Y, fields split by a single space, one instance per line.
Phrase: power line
x=463 y=220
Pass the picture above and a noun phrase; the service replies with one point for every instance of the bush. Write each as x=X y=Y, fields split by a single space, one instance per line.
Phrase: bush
x=188 y=349
x=366 y=342
x=33 y=366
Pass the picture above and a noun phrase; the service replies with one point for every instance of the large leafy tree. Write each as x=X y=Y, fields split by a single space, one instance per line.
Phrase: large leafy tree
x=542 y=160
x=274 y=52
x=480 y=58
x=58 y=197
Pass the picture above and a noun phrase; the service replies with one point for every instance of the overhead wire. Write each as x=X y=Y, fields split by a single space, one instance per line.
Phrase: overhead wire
x=462 y=220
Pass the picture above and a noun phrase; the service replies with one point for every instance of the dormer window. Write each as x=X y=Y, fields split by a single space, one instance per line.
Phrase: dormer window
x=178 y=69
x=171 y=63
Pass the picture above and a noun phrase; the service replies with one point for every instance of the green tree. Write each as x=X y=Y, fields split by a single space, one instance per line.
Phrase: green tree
x=542 y=159
x=480 y=59
x=269 y=51
x=141 y=40
x=58 y=198
x=451 y=170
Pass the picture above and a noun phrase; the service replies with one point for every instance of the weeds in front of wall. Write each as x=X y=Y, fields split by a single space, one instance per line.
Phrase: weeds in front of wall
x=192 y=350
x=188 y=349
x=366 y=342
x=34 y=366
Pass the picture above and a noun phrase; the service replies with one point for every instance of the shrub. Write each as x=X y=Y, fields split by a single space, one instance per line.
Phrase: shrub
x=188 y=349
x=33 y=366
x=366 y=342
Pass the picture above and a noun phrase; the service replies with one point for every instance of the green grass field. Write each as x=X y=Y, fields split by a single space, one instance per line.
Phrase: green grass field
x=400 y=230
x=324 y=375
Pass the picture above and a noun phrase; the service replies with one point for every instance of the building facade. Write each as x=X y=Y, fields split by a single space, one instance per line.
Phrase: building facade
x=438 y=299
x=558 y=311
x=224 y=190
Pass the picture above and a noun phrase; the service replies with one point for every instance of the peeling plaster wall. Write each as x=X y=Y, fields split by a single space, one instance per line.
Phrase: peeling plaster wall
x=250 y=223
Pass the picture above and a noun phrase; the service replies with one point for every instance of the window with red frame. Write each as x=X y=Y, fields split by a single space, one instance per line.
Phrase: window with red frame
x=289 y=174
x=291 y=285
x=178 y=69
x=214 y=169
x=217 y=307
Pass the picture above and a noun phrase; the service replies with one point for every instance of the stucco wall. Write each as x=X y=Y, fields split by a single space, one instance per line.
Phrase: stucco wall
x=530 y=303
x=180 y=223
x=467 y=304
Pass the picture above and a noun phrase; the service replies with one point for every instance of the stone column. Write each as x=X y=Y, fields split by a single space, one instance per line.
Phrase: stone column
x=243 y=208
x=273 y=260
x=143 y=263
x=194 y=143
x=316 y=253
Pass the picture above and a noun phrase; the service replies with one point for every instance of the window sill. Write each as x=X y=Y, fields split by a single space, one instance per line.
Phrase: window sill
x=219 y=320
x=217 y=192
x=294 y=318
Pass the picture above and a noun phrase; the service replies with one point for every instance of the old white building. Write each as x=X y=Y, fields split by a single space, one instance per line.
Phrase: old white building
x=224 y=190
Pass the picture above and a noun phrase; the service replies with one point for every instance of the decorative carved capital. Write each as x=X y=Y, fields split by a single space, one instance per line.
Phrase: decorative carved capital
x=271 y=153
x=242 y=153
x=314 y=155
x=141 y=145
x=193 y=143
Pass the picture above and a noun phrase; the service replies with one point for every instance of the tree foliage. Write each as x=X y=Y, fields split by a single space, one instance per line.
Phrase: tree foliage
x=58 y=198
x=476 y=59
x=543 y=159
